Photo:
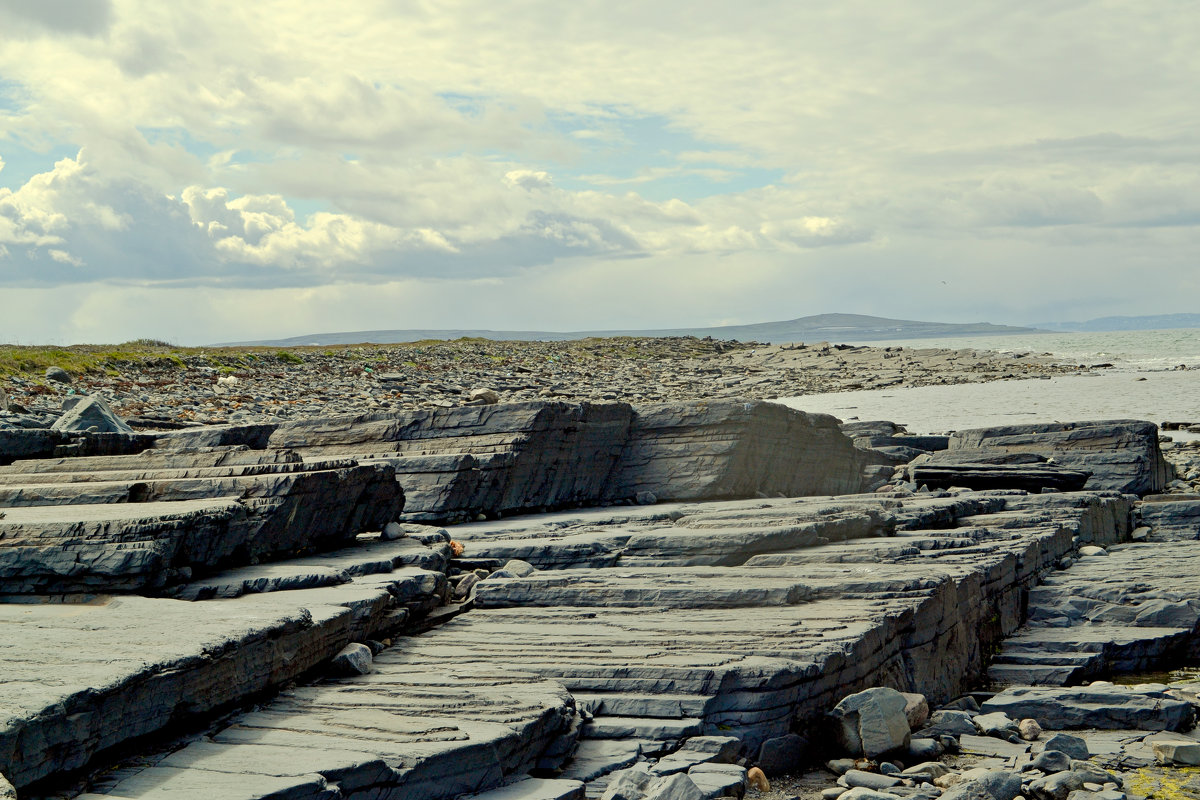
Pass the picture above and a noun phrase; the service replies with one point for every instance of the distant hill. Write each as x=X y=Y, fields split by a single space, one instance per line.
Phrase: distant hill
x=1151 y=323
x=822 y=327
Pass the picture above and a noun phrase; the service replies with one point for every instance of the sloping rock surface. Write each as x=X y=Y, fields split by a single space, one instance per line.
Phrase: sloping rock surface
x=1121 y=455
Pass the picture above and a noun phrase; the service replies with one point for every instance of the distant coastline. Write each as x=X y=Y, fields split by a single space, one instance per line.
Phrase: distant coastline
x=821 y=327
x=838 y=328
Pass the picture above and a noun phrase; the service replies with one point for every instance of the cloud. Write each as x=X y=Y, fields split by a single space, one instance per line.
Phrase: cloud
x=59 y=16
x=308 y=146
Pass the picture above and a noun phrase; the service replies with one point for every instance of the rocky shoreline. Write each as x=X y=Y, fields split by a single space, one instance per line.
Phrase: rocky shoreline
x=160 y=387
x=677 y=600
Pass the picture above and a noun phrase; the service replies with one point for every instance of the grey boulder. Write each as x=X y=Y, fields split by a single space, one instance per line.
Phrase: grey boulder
x=91 y=412
x=354 y=659
x=628 y=784
x=674 y=787
x=979 y=784
x=1050 y=761
x=782 y=754
x=1073 y=746
x=871 y=722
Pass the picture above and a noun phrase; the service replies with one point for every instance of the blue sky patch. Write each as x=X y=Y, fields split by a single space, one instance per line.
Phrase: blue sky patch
x=650 y=156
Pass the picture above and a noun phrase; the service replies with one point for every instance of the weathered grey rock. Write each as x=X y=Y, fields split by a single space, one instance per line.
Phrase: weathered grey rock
x=1029 y=729
x=483 y=396
x=673 y=787
x=155 y=660
x=985 y=785
x=256 y=437
x=869 y=780
x=863 y=793
x=948 y=722
x=1105 y=707
x=651 y=674
x=699 y=750
x=996 y=724
x=518 y=568
x=353 y=659
x=1050 y=761
x=58 y=375
x=1169 y=520
x=719 y=780
x=871 y=722
x=91 y=412
x=782 y=754
x=1178 y=753
x=1057 y=786
x=141 y=534
x=985 y=477
x=628 y=784
x=1122 y=455
x=7 y=792
x=925 y=749
x=916 y=709
x=935 y=769
x=534 y=789
x=1073 y=746
x=729 y=449
x=1131 y=611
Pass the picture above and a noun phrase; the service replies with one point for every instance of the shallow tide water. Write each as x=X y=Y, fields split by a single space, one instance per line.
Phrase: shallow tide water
x=1157 y=396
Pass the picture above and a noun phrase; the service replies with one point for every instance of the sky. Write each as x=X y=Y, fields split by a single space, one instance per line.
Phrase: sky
x=216 y=171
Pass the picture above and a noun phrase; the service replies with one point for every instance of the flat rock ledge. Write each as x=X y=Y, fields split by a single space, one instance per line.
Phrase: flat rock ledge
x=658 y=631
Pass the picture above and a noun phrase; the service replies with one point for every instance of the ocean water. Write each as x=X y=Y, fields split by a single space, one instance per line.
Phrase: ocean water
x=1144 y=384
x=1135 y=350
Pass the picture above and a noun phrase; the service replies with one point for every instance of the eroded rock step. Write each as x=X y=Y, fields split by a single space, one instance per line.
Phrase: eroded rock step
x=89 y=525
x=1129 y=608
x=650 y=674
x=78 y=678
x=396 y=733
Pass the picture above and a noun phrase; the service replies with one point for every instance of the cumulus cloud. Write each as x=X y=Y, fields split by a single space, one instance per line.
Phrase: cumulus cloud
x=315 y=145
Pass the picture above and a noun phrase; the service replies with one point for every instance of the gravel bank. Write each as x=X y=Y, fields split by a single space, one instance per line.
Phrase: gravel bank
x=172 y=387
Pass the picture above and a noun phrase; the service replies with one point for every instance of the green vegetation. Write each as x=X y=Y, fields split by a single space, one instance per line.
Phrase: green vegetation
x=288 y=357
x=82 y=359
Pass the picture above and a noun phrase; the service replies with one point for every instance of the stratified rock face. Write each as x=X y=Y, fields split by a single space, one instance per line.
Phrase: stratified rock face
x=494 y=459
x=1097 y=706
x=696 y=451
x=1122 y=455
x=1129 y=610
x=1170 y=518
x=99 y=525
x=78 y=678
x=498 y=459
x=984 y=476
x=21 y=443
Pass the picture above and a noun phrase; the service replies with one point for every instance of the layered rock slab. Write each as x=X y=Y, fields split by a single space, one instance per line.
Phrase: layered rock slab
x=79 y=678
x=97 y=525
x=1129 y=609
x=1121 y=455
x=388 y=734
x=498 y=459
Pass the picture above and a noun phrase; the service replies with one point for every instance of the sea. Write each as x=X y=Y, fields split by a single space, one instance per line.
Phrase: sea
x=1148 y=375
